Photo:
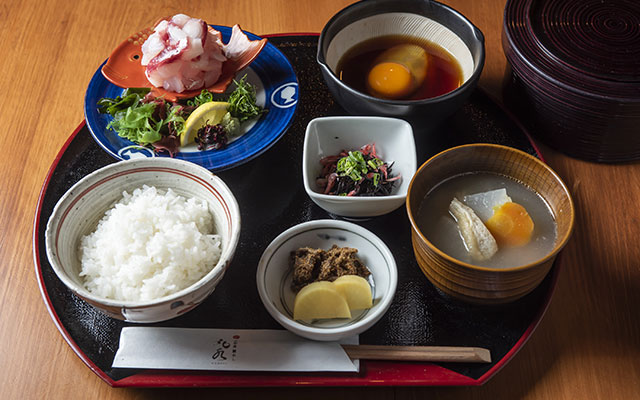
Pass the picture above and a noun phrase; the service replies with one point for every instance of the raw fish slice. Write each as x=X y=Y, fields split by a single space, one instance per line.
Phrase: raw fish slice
x=195 y=49
x=188 y=61
x=158 y=75
x=168 y=55
x=174 y=83
x=180 y=19
x=192 y=78
x=195 y=29
x=211 y=77
x=166 y=65
x=484 y=204
x=202 y=63
x=176 y=34
x=477 y=239
x=126 y=66
x=161 y=26
x=151 y=48
x=239 y=44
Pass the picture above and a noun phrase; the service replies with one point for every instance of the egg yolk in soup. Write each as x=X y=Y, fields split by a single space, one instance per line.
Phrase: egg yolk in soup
x=511 y=225
x=390 y=80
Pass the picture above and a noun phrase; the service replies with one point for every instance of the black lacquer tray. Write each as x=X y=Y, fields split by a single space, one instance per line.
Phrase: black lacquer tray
x=271 y=198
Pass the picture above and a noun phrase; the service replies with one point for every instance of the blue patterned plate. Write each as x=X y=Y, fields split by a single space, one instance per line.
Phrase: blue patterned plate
x=276 y=90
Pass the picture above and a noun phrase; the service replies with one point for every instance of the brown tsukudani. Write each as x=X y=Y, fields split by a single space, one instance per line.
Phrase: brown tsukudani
x=472 y=283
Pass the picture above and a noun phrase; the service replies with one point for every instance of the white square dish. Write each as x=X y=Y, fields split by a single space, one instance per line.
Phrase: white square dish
x=394 y=143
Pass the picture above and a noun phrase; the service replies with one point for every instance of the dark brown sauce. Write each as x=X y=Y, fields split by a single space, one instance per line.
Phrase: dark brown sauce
x=444 y=73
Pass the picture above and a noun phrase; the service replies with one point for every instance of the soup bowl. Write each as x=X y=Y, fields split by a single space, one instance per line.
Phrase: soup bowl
x=482 y=284
x=424 y=20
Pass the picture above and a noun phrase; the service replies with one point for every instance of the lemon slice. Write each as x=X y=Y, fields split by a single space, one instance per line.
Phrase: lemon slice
x=210 y=113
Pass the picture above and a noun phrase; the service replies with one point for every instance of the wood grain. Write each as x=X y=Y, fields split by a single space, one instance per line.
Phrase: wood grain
x=587 y=346
x=418 y=353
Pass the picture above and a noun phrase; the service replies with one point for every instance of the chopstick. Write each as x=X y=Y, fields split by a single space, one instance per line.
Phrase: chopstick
x=418 y=353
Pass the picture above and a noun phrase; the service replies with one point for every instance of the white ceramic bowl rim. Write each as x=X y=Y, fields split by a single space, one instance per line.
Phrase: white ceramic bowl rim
x=401 y=190
x=310 y=225
x=347 y=199
x=170 y=164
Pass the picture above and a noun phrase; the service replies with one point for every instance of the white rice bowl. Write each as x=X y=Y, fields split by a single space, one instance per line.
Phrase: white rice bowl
x=151 y=244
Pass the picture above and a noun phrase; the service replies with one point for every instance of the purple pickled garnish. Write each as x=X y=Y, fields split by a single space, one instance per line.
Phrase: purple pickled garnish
x=211 y=137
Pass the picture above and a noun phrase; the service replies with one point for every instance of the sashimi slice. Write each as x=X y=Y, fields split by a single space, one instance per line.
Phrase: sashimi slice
x=211 y=77
x=183 y=54
x=180 y=19
x=174 y=84
x=195 y=29
x=151 y=48
x=194 y=49
x=173 y=50
x=239 y=44
x=176 y=33
x=169 y=54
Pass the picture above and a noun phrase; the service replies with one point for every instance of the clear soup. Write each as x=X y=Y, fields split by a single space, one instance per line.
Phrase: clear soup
x=440 y=228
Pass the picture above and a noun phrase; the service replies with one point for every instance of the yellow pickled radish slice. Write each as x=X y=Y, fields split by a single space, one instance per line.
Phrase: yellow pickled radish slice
x=319 y=300
x=356 y=290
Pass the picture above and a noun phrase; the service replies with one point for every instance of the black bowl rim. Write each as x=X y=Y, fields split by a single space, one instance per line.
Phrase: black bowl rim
x=478 y=67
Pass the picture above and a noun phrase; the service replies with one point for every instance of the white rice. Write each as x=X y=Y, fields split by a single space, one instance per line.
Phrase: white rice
x=149 y=245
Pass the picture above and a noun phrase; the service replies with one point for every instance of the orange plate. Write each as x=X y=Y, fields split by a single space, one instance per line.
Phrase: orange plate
x=123 y=67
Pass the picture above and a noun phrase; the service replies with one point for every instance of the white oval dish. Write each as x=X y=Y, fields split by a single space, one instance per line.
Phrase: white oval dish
x=274 y=275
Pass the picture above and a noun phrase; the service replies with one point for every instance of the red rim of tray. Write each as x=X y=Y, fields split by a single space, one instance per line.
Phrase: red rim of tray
x=373 y=373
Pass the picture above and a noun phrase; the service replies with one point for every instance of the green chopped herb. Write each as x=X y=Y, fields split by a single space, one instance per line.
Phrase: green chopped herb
x=375 y=163
x=376 y=179
x=204 y=97
x=356 y=173
x=242 y=101
x=354 y=166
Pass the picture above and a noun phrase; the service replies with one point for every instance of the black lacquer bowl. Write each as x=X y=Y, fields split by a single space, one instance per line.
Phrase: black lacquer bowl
x=576 y=63
x=424 y=19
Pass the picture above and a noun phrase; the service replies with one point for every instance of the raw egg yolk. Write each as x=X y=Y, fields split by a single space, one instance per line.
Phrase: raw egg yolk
x=511 y=225
x=390 y=80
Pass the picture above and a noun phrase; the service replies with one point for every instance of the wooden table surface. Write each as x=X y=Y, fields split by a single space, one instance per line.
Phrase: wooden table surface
x=586 y=347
